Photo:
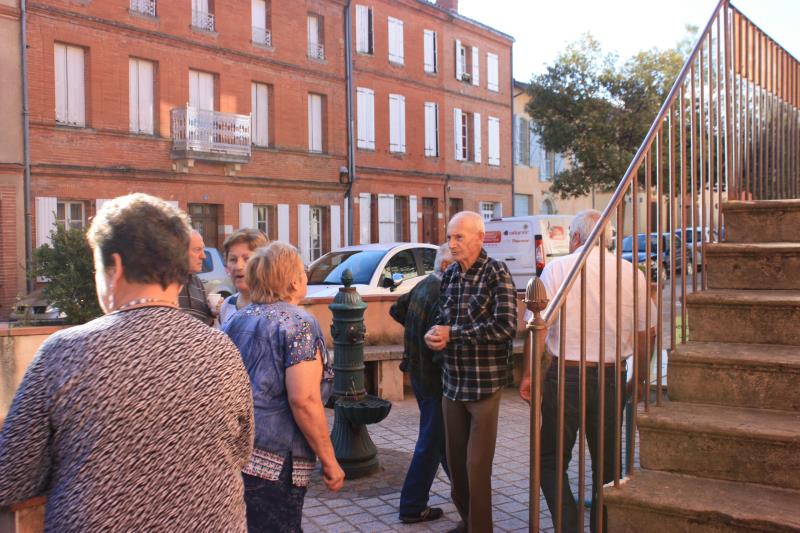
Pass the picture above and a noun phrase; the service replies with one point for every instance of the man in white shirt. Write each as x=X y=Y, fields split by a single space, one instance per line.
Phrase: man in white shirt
x=553 y=275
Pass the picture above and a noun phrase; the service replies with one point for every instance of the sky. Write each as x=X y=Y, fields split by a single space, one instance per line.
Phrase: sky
x=542 y=28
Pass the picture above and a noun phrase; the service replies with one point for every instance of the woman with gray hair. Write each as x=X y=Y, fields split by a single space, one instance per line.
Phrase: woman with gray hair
x=284 y=351
x=139 y=420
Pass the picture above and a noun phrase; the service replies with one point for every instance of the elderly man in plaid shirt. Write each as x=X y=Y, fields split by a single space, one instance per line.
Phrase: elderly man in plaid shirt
x=477 y=326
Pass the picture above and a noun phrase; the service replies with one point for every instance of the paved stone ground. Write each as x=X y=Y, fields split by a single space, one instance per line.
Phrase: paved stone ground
x=370 y=504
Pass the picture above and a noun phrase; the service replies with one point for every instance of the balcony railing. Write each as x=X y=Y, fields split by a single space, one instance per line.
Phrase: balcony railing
x=316 y=51
x=262 y=36
x=145 y=7
x=203 y=20
x=210 y=135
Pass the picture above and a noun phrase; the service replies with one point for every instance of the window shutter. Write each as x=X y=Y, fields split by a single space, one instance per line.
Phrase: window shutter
x=60 y=64
x=260 y=114
x=206 y=91
x=476 y=129
x=365 y=217
x=246 y=218
x=493 y=127
x=194 y=89
x=259 y=14
x=457 y=140
x=133 y=95
x=336 y=227
x=492 y=75
x=313 y=31
x=385 y=218
x=396 y=40
x=283 y=222
x=459 y=61
x=431 y=133
x=476 y=66
x=401 y=110
x=314 y=123
x=145 y=95
x=76 y=105
x=397 y=133
x=362 y=29
x=303 y=232
x=412 y=219
x=535 y=151
x=515 y=134
x=430 y=50
x=45 y=218
x=366 y=117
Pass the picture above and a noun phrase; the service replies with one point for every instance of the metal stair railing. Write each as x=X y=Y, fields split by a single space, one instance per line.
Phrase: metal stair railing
x=728 y=130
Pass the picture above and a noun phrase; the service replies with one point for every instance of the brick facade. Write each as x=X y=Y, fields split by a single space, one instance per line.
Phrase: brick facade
x=103 y=159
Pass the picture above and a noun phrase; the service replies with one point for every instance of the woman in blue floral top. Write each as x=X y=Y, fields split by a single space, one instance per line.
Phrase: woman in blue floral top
x=284 y=352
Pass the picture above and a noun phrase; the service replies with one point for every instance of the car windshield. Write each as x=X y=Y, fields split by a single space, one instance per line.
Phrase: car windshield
x=328 y=269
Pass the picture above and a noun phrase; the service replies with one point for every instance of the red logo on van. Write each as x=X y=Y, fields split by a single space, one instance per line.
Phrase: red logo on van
x=492 y=237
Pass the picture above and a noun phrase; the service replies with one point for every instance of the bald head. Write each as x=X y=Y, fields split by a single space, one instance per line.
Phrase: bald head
x=465 y=234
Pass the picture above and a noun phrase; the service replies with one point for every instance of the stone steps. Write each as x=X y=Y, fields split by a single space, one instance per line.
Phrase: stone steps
x=744 y=375
x=771 y=265
x=762 y=221
x=660 y=502
x=753 y=316
x=721 y=442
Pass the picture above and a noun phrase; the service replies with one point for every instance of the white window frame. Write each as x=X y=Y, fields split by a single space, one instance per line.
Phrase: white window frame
x=70 y=84
x=365 y=118
x=493 y=133
x=365 y=35
x=476 y=66
x=316 y=48
x=201 y=90
x=430 y=51
x=261 y=219
x=259 y=113
x=491 y=210
x=315 y=123
x=395 y=32
x=316 y=227
x=492 y=72
x=397 y=123
x=141 y=76
x=68 y=221
x=431 y=129
x=261 y=33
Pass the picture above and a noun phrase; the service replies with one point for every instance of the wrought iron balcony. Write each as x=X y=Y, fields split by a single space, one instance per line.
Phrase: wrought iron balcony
x=145 y=7
x=210 y=135
x=262 y=36
x=316 y=51
x=203 y=20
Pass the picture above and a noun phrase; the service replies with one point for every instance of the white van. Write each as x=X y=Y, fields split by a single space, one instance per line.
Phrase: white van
x=511 y=240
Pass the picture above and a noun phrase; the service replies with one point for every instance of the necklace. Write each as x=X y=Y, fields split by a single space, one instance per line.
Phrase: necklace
x=140 y=301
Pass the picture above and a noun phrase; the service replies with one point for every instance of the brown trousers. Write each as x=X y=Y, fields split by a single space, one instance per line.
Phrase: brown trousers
x=471 y=435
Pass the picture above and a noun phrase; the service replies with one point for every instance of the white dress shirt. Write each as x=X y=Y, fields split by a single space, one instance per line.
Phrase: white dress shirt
x=556 y=272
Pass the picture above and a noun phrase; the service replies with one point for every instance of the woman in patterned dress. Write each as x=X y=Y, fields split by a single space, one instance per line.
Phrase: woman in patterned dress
x=284 y=352
x=142 y=419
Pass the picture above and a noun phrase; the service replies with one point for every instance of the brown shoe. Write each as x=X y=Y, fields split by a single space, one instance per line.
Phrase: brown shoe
x=430 y=513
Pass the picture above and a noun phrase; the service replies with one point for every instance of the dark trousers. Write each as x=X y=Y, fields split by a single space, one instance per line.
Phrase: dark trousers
x=571 y=426
x=428 y=453
x=274 y=506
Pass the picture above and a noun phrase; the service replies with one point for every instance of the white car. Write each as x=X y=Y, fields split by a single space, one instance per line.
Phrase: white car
x=378 y=269
x=214 y=277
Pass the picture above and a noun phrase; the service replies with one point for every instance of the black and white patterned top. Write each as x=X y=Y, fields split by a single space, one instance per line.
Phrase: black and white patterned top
x=137 y=421
x=480 y=306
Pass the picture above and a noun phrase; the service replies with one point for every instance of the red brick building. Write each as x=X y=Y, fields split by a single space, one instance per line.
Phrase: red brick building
x=157 y=96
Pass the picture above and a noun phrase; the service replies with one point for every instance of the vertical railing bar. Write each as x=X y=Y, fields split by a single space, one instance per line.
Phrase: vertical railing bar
x=619 y=387
x=671 y=224
x=659 y=255
x=582 y=434
x=747 y=111
x=740 y=47
x=702 y=175
x=631 y=446
x=696 y=162
x=729 y=174
x=718 y=131
x=562 y=379
x=682 y=141
x=709 y=226
x=648 y=265
x=597 y=504
x=762 y=78
x=536 y=338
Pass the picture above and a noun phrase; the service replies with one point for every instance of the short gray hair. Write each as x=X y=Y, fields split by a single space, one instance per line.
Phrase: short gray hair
x=441 y=253
x=583 y=224
x=476 y=219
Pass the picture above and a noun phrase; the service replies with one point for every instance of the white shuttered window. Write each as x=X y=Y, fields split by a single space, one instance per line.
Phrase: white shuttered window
x=460 y=60
x=493 y=127
x=492 y=76
x=476 y=66
x=395 y=40
x=365 y=108
x=260 y=114
x=476 y=137
x=140 y=96
x=364 y=30
x=431 y=129
x=397 y=123
x=429 y=45
x=201 y=90
x=458 y=139
x=70 y=90
x=314 y=123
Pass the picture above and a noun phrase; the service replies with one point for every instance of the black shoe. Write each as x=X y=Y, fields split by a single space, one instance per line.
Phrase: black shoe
x=430 y=513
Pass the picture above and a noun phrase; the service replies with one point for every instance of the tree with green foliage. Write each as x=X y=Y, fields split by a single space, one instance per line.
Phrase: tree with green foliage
x=68 y=267
x=597 y=110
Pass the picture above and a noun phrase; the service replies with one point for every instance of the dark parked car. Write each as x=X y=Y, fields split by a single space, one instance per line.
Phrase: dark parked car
x=664 y=260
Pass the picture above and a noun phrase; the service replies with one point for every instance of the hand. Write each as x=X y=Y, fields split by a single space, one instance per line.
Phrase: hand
x=525 y=388
x=435 y=339
x=333 y=475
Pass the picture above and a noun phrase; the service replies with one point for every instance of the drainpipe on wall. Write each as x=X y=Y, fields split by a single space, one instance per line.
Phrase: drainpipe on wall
x=513 y=170
x=351 y=152
x=26 y=154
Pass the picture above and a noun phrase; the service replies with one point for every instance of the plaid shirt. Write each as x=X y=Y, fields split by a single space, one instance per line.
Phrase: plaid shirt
x=192 y=299
x=480 y=306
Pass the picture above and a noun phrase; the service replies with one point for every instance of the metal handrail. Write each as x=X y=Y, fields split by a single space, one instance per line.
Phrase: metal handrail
x=147 y=7
x=203 y=20
x=262 y=36
x=316 y=51
x=729 y=129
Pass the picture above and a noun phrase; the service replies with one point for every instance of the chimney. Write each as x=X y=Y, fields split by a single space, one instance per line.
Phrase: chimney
x=449 y=5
